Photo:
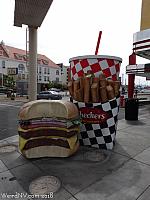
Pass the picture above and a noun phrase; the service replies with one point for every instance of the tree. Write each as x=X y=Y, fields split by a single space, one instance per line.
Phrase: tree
x=9 y=82
x=53 y=84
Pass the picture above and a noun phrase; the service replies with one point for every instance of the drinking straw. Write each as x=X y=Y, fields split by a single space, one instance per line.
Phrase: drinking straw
x=98 y=42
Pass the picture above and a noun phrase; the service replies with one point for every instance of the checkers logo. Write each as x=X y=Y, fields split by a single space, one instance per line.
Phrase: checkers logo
x=93 y=115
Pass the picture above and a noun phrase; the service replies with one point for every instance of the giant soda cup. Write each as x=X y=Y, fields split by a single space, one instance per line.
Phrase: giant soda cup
x=98 y=120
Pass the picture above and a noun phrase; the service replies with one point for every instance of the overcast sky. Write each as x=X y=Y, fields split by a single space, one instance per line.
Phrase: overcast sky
x=71 y=28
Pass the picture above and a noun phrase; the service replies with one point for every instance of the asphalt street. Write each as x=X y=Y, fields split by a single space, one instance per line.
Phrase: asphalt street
x=9 y=117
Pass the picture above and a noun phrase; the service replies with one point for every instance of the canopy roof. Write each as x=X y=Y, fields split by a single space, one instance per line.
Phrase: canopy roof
x=141 y=47
x=139 y=70
x=31 y=12
x=141 y=43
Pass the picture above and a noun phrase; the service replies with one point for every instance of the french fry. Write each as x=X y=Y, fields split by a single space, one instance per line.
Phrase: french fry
x=103 y=94
x=110 y=92
x=76 y=86
x=110 y=82
x=81 y=79
x=95 y=80
x=79 y=95
x=102 y=76
x=103 y=83
x=102 y=80
x=116 y=87
x=95 y=92
x=70 y=88
x=86 y=90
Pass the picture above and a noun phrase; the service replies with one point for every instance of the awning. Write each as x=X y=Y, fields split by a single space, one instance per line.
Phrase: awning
x=31 y=12
x=141 y=43
x=139 y=70
x=141 y=47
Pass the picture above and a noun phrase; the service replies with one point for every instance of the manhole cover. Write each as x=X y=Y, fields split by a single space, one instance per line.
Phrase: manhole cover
x=96 y=156
x=44 y=185
x=7 y=148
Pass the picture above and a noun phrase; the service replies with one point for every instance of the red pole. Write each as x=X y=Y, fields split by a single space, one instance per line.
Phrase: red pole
x=98 y=43
x=131 y=77
x=69 y=74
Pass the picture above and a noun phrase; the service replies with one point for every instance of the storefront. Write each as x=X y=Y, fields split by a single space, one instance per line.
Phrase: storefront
x=141 y=47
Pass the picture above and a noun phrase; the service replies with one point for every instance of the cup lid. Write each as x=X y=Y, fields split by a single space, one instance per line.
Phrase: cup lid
x=95 y=57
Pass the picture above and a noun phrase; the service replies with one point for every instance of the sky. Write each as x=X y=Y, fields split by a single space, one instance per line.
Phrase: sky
x=71 y=28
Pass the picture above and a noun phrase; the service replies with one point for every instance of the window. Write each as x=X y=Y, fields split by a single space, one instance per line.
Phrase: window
x=3 y=63
x=1 y=52
x=19 y=76
x=25 y=57
x=23 y=76
x=57 y=79
x=18 y=56
x=48 y=78
x=21 y=68
x=45 y=62
x=40 y=70
x=57 y=72
x=40 y=78
x=39 y=61
x=45 y=70
x=48 y=70
x=44 y=78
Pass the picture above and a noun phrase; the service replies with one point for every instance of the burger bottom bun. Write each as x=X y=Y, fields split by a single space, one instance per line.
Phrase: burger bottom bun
x=49 y=151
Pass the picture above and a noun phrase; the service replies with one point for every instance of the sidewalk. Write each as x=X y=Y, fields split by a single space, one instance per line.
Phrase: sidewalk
x=24 y=99
x=123 y=175
x=18 y=98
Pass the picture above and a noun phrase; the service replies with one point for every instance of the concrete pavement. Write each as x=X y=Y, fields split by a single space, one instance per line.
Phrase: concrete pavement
x=124 y=175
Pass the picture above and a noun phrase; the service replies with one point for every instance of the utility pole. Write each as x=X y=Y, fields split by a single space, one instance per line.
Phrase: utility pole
x=2 y=78
x=32 y=86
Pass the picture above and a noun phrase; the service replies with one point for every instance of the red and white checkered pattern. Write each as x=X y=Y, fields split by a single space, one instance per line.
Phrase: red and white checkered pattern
x=109 y=66
x=100 y=135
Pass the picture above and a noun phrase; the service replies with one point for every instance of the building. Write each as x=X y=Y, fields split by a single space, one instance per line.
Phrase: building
x=14 y=62
x=141 y=47
x=141 y=44
x=64 y=73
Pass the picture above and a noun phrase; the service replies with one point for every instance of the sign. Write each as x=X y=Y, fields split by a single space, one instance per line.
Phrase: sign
x=145 y=15
x=147 y=67
x=93 y=115
x=12 y=71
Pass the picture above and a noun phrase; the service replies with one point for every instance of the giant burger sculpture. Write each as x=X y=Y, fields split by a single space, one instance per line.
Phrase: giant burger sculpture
x=48 y=128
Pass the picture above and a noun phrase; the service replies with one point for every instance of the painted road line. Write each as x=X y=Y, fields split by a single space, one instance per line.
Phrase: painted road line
x=10 y=105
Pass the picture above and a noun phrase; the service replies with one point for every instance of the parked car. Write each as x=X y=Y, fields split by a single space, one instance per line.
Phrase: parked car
x=55 y=89
x=145 y=91
x=5 y=90
x=49 y=95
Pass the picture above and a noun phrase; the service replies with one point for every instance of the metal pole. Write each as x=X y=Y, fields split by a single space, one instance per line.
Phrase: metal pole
x=32 y=84
x=26 y=47
x=131 y=77
x=2 y=77
x=27 y=61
